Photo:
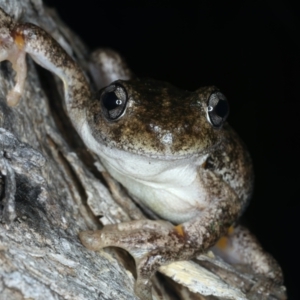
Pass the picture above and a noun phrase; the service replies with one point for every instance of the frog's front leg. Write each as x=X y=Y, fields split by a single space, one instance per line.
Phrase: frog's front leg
x=156 y=243
x=18 y=39
x=11 y=48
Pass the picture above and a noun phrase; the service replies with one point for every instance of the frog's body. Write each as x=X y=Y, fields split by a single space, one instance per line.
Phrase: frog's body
x=160 y=146
x=171 y=149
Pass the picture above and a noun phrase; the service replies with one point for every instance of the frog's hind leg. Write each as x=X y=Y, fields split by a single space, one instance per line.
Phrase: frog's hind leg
x=240 y=247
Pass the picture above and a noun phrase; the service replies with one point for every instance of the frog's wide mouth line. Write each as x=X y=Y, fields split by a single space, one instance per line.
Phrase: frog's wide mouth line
x=164 y=156
x=100 y=144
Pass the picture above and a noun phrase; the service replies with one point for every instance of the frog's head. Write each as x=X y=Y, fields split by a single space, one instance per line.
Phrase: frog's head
x=153 y=118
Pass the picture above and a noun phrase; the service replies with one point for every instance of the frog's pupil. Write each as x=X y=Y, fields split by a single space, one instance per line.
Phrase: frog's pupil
x=221 y=109
x=111 y=101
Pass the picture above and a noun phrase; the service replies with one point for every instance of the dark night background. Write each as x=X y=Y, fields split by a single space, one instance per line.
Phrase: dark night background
x=251 y=51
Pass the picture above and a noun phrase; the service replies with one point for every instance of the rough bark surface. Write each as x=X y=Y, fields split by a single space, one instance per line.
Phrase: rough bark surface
x=51 y=188
x=40 y=253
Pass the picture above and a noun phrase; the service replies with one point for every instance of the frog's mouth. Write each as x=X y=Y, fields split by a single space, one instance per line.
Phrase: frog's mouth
x=165 y=145
x=162 y=152
x=115 y=150
x=135 y=147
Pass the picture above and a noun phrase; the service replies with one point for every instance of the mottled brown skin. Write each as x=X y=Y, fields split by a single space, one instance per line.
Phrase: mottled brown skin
x=158 y=104
x=163 y=149
x=226 y=173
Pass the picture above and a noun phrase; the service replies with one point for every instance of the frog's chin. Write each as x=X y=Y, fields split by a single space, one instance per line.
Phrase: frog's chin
x=122 y=164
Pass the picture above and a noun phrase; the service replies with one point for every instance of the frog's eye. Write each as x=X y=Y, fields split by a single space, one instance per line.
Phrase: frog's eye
x=113 y=101
x=217 y=109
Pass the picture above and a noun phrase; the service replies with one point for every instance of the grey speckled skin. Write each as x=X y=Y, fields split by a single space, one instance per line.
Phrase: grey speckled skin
x=162 y=148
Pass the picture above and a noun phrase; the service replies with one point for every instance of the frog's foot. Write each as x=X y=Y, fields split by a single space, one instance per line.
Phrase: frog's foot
x=151 y=244
x=12 y=49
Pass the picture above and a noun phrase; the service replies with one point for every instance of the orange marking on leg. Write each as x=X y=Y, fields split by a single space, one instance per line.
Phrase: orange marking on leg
x=179 y=230
x=222 y=243
x=19 y=40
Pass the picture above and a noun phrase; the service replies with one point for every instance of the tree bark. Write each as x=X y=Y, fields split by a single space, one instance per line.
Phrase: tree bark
x=41 y=255
x=52 y=188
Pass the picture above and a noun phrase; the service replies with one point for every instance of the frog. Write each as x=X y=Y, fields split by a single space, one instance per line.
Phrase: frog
x=171 y=149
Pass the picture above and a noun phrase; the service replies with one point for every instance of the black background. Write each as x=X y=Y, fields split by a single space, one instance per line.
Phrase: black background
x=250 y=50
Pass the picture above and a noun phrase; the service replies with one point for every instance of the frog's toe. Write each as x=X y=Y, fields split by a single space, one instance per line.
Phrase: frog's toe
x=91 y=239
x=145 y=269
x=13 y=98
x=143 y=285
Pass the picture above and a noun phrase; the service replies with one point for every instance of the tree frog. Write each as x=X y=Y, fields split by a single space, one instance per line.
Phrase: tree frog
x=173 y=151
